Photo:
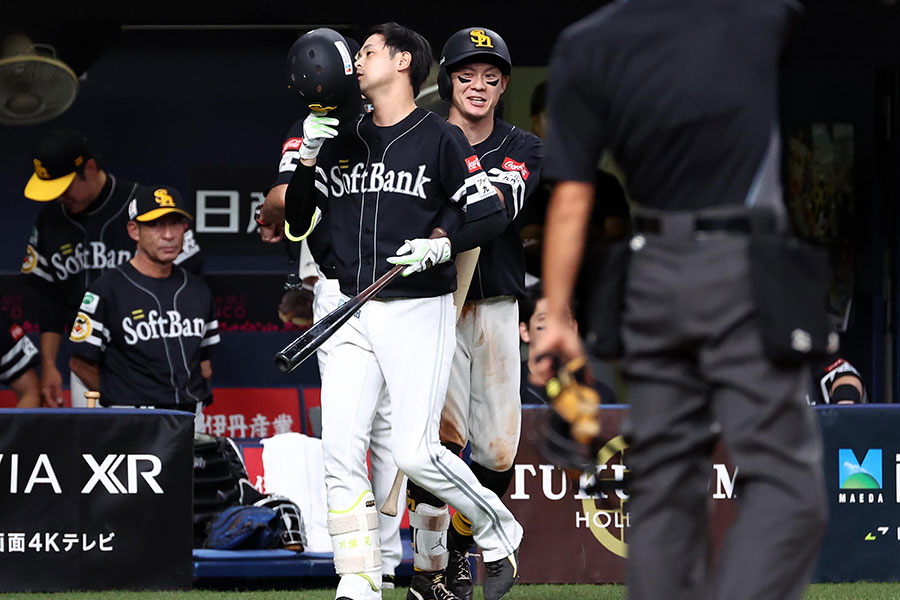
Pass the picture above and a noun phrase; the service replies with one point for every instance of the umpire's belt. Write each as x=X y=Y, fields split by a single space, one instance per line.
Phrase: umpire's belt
x=696 y=224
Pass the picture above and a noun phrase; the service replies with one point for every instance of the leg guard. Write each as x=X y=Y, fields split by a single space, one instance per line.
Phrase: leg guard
x=429 y=526
x=356 y=544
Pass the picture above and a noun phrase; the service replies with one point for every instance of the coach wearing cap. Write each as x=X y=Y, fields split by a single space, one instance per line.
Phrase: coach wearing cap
x=145 y=329
x=79 y=234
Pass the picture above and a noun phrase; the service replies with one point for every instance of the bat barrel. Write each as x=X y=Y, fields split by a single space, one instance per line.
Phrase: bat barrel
x=293 y=354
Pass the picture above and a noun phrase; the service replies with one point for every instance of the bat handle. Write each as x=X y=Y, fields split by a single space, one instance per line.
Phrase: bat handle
x=389 y=507
x=92 y=398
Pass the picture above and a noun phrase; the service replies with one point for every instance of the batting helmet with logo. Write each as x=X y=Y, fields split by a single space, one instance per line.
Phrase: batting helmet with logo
x=320 y=69
x=472 y=44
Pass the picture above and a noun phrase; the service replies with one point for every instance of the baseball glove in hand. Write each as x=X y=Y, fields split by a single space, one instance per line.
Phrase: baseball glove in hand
x=572 y=434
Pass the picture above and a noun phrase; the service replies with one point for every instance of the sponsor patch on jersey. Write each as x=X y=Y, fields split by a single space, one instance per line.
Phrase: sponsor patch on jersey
x=473 y=164
x=16 y=332
x=514 y=165
x=30 y=260
x=81 y=329
x=291 y=144
x=89 y=302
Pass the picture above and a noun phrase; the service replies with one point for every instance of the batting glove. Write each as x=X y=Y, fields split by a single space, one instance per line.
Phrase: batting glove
x=316 y=129
x=421 y=254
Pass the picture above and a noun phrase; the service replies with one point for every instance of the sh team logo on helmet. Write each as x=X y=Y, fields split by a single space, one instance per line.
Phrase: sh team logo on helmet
x=480 y=38
x=861 y=482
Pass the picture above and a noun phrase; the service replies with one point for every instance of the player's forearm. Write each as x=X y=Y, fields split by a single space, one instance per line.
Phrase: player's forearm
x=479 y=232
x=27 y=388
x=567 y=219
x=87 y=372
x=272 y=210
x=50 y=343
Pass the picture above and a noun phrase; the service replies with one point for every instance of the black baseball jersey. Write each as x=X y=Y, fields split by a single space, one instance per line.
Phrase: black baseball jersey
x=67 y=253
x=380 y=186
x=319 y=244
x=148 y=335
x=512 y=159
x=670 y=111
x=17 y=353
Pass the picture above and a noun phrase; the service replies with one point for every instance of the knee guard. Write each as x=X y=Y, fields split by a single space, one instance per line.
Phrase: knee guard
x=429 y=530
x=355 y=540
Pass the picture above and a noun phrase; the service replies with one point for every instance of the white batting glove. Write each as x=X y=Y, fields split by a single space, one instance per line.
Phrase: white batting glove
x=316 y=129
x=421 y=254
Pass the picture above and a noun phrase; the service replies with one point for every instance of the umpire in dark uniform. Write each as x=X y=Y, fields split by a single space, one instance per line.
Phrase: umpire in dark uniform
x=685 y=96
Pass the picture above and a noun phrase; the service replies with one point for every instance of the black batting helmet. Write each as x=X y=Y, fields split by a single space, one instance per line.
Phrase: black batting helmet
x=320 y=69
x=468 y=45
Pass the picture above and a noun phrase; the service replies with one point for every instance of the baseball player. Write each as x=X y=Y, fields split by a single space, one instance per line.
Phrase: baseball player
x=482 y=406
x=386 y=184
x=326 y=296
x=145 y=329
x=837 y=382
x=79 y=234
x=685 y=95
x=18 y=358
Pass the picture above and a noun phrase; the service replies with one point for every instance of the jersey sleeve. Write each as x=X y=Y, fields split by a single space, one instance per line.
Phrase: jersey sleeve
x=210 y=330
x=50 y=312
x=90 y=331
x=290 y=154
x=17 y=352
x=574 y=120
x=519 y=173
x=463 y=179
x=36 y=262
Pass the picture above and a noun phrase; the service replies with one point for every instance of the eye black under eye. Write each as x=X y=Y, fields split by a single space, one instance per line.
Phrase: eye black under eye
x=493 y=82
x=463 y=79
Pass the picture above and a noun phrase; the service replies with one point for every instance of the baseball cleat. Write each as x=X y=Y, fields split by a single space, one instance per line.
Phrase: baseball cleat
x=429 y=585
x=501 y=575
x=458 y=575
x=388 y=582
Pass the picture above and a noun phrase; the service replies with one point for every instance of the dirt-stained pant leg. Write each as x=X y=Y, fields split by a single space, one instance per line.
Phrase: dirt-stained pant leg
x=483 y=402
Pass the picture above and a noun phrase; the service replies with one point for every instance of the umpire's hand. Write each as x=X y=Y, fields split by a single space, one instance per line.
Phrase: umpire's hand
x=559 y=339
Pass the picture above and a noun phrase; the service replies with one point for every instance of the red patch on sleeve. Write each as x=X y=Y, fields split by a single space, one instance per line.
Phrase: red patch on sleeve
x=473 y=164
x=514 y=165
x=291 y=144
x=16 y=332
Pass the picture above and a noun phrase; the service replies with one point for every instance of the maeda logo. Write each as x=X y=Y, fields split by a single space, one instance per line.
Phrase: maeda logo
x=856 y=476
x=473 y=164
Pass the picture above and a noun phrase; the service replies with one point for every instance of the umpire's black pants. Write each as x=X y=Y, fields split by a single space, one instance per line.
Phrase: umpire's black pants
x=696 y=371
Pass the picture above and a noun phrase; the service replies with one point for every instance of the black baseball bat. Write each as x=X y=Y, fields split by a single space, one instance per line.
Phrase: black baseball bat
x=290 y=357
x=306 y=345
